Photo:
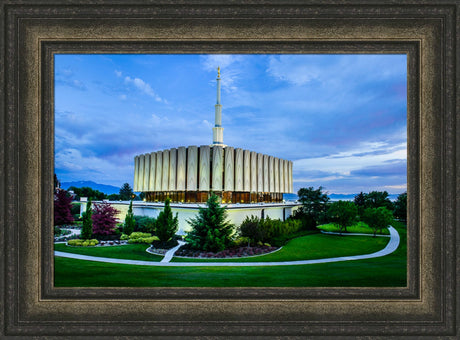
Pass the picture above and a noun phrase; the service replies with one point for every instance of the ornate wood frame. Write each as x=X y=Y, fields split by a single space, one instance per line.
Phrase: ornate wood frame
x=32 y=31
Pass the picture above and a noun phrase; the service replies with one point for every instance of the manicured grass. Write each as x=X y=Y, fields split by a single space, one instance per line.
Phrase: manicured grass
x=316 y=246
x=129 y=251
x=386 y=271
x=359 y=227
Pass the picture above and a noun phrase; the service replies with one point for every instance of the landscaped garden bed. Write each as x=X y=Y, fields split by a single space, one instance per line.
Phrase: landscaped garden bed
x=185 y=251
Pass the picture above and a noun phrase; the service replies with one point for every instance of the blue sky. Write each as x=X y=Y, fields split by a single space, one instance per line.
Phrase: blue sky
x=342 y=119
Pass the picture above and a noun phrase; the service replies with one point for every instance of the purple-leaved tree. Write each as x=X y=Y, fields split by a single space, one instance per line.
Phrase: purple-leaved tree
x=62 y=207
x=104 y=221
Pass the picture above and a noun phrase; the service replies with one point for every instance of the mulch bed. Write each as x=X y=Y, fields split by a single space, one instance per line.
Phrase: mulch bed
x=185 y=251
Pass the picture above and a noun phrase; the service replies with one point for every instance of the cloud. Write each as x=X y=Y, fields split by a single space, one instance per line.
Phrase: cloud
x=229 y=68
x=118 y=73
x=74 y=83
x=143 y=86
x=346 y=162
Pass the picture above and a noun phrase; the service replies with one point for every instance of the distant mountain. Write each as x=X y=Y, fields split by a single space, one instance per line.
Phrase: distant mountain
x=106 y=189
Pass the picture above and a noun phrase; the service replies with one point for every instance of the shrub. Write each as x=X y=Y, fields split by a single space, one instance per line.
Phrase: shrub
x=144 y=223
x=250 y=229
x=124 y=236
x=268 y=230
x=241 y=241
x=82 y=243
x=307 y=220
x=138 y=234
x=146 y=240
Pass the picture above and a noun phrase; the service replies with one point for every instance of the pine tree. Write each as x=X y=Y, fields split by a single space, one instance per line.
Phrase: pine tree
x=87 y=229
x=210 y=230
x=130 y=222
x=62 y=208
x=126 y=192
x=166 y=225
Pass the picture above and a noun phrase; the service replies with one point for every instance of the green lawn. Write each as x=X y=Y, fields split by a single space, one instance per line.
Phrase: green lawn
x=359 y=227
x=316 y=246
x=129 y=251
x=387 y=271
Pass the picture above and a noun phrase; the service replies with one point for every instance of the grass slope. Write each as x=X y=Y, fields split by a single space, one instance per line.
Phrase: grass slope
x=316 y=246
x=387 y=271
x=129 y=252
x=359 y=227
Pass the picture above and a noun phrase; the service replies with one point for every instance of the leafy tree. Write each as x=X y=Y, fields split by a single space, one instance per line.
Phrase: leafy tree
x=129 y=220
x=314 y=202
x=87 y=228
x=376 y=199
x=210 y=229
x=400 y=207
x=104 y=221
x=377 y=218
x=95 y=195
x=343 y=214
x=62 y=208
x=126 y=192
x=166 y=225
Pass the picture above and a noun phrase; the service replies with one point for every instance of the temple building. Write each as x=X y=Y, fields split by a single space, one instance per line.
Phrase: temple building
x=188 y=174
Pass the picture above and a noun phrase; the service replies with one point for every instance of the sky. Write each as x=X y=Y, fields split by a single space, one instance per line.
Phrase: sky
x=341 y=119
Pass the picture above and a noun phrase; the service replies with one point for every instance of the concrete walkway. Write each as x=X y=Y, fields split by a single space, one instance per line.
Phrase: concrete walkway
x=170 y=253
x=390 y=247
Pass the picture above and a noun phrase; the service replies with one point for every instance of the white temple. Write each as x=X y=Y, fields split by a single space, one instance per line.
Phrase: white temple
x=189 y=174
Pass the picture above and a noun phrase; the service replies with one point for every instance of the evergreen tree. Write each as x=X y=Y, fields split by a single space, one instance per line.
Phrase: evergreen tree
x=62 y=208
x=87 y=228
x=129 y=220
x=166 y=224
x=126 y=192
x=210 y=230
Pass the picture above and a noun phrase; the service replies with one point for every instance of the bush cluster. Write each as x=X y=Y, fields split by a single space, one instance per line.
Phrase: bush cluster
x=139 y=237
x=83 y=243
x=144 y=223
x=267 y=230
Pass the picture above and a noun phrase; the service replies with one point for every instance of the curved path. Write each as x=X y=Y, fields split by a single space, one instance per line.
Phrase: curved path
x=390 y=247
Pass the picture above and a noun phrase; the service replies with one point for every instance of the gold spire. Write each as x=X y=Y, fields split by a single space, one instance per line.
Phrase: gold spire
x=218 y=71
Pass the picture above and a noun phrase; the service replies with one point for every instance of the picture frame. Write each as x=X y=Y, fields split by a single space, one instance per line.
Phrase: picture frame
x=34 y=30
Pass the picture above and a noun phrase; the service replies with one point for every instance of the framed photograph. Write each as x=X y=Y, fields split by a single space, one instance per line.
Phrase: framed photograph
x=41 y=37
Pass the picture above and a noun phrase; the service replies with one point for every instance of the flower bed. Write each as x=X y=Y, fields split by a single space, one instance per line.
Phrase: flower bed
x=228 y=253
